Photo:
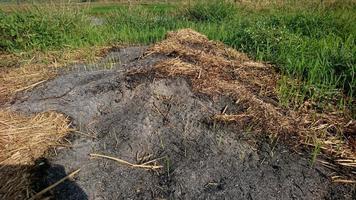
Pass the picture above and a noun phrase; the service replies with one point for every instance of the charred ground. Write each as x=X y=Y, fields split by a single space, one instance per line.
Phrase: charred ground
x=207 y=114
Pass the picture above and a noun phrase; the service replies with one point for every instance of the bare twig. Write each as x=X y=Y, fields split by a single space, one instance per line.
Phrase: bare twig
x=30 y=86
x=145 y=166
x=71 y=175
x=224 y=110
x=343 y=181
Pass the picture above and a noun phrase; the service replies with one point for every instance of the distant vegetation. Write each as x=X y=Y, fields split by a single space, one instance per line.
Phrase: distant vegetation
x=313 y=45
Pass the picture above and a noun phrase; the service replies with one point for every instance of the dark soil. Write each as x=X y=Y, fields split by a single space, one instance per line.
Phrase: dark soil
x=137 y=116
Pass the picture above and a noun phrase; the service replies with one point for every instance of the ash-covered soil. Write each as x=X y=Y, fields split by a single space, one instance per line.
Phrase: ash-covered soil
x=140 y=117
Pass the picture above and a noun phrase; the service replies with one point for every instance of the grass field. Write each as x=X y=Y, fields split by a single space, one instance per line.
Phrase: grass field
x=311 y=43
x=308 y=47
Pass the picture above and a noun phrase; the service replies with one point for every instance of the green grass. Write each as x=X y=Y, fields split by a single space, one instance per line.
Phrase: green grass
x=313 y=46
x=153 y=8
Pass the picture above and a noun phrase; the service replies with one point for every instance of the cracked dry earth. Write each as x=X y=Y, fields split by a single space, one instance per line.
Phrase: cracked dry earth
x=138 y=118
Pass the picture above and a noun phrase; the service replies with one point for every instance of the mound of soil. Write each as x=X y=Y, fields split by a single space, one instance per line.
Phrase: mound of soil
x=139 y=117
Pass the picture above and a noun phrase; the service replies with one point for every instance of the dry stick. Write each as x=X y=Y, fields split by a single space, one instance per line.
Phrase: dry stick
x=154 y=160
x=346 y=160
x=126 y=163
x=224 y=110
x=199 y=75
x=335 y=180
x=54 y=185
x=30 y=86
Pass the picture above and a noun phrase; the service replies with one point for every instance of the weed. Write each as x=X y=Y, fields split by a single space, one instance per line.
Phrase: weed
x=315 y=153
x=212 y=11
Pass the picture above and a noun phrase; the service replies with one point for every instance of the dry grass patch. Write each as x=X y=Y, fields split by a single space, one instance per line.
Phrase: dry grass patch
x=215 y=69
x=14 y=80
x=23 y=139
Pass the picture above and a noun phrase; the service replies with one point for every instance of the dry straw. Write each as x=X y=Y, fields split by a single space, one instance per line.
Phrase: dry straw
x=23 y=139
x=14 y=80
x=215 y=69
